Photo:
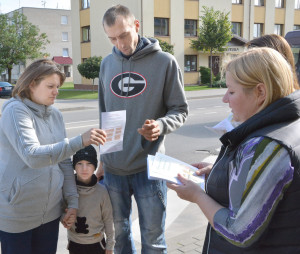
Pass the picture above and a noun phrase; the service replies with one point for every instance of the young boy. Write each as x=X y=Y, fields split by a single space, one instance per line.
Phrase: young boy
x=94 y=215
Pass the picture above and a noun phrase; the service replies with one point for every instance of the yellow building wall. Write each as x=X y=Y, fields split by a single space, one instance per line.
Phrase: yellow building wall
x=187 y=47
x=191 y=78
x=237 y=13
x=85 y=50
x=85 y=17
x=164 y=38
x=279 y=16
x=162 y=8
x=297 y=17
x=259 y=14
x=191 y=9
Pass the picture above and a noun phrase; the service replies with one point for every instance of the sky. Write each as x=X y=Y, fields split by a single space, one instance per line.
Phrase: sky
x=10 y=5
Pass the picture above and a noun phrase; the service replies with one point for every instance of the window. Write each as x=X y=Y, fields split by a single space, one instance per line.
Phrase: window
x=65 y=36
x=259 y=2
x=237 y=1
x=236 y=28
x=65 y=52
x=161 y=27
x=190 y=63
x=257 y=30
x=278 y=29
x=279 y=3
x=64 y=20
x=86 y=36
x=190 y=27
x=296 y=27
x=85 y=4
x=297 y=4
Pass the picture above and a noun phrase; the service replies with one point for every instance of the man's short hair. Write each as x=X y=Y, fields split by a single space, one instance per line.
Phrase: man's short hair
x=112 y=13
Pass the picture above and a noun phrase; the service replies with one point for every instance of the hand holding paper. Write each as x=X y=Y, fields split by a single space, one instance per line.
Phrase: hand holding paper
x=167 y=168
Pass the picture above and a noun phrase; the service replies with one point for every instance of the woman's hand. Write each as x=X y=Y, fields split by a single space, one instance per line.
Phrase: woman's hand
x=203 y=168
x=188 y=190
x=94 y=136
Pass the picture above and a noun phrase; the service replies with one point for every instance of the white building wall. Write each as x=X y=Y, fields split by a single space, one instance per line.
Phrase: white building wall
x=269 y=17
x=75 y=7
x=177 y=30
x=248 y=20
x=289 y=16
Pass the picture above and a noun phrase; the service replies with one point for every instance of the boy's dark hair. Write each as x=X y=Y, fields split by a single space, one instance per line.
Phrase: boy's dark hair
x=88 y=154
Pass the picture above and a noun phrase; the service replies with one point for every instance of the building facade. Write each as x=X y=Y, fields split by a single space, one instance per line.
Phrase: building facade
x=56 y=23
x=176 y=21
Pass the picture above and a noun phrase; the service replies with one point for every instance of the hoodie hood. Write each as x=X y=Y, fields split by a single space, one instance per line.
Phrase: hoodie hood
x=39 y=110
x=150 y=45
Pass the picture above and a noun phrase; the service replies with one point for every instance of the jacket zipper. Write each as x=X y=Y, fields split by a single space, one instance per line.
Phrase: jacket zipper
x=209 y=234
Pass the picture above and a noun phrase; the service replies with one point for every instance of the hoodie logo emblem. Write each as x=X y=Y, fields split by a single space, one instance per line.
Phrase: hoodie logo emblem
x=128 y=85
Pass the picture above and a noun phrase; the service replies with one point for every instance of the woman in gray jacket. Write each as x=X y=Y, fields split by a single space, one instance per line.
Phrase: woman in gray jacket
x=36 y=172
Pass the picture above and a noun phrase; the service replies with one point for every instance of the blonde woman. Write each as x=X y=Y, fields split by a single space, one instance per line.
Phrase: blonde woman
x=253 y=190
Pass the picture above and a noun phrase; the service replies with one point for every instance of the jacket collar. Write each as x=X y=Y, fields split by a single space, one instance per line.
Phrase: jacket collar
x=283 y=110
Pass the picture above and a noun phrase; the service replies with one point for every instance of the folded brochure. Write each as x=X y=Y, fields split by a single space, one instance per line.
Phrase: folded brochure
x=167 y=168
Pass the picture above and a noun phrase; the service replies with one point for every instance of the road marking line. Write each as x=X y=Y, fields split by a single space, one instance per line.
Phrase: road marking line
x=209 y=113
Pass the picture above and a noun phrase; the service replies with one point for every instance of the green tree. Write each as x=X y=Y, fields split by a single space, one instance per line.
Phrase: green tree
x=213 y=34
x=90 y=68
x=166 y=47
x=19 y=40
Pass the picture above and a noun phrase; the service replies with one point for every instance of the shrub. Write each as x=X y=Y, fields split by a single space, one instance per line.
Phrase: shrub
x=205 y=75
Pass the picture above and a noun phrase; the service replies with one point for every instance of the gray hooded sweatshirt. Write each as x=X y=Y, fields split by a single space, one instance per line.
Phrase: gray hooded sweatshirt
x=148 y=85
x=35 y=166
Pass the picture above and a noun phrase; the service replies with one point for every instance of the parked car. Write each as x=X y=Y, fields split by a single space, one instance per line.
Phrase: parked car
x=5 y=89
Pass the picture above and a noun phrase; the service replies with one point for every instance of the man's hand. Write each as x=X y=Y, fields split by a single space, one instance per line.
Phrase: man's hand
x=109 y=252
x=150 y=130
x=69 y=218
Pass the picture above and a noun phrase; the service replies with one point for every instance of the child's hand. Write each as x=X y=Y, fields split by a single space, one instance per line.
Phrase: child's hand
x=69 y=218
x=109 y=252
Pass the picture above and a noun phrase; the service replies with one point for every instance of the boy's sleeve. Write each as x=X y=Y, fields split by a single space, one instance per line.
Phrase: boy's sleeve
x=107 y=217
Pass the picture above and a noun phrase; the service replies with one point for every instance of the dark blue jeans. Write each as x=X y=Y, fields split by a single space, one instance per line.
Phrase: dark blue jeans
x=151 y=199
x=40 y=240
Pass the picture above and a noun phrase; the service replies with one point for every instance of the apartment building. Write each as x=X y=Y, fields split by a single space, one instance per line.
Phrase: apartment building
x=56 y=23
x=176 y=21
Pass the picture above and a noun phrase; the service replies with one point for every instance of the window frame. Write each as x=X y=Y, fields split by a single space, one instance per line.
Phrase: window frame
x=190 y=63
x=240 y=23
x=237 y=1
x=193 y=28
x=261 y=25
x=280 y=29
x=62 y=20
x=296 y=27
x=88 y=29
x=85 y=4
x=161 y=27
x=62 y=36
x=67 y=51
x=259 y=3
x=281 y=5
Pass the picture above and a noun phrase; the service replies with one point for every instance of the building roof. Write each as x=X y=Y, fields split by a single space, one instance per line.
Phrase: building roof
x=62 y=60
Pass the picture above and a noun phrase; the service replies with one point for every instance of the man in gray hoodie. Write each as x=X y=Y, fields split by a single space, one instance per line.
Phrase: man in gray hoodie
x=146 y=82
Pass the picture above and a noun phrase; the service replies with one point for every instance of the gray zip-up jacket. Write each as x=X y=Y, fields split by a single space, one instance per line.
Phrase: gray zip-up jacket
x=35 y=166
x=148 y=85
